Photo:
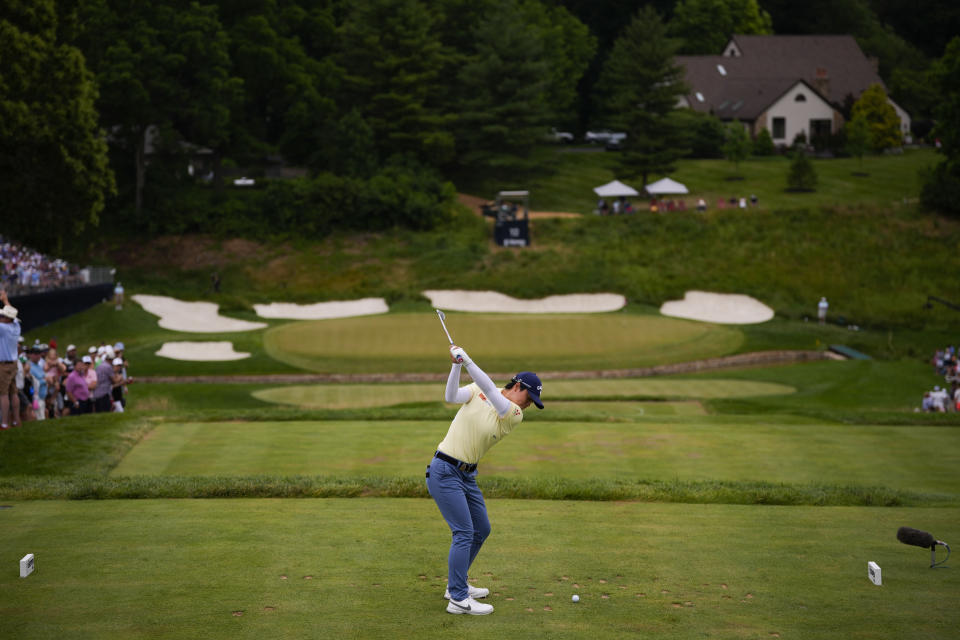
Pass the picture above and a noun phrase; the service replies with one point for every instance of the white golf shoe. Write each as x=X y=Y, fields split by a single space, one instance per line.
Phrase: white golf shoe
x=469 y=606
x=474 y=592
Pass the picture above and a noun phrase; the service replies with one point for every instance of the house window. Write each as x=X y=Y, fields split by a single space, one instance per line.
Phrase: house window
x=800 y=98
x=779 y=128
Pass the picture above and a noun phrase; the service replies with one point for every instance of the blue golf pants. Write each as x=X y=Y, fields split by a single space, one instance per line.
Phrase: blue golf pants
x=461 y=503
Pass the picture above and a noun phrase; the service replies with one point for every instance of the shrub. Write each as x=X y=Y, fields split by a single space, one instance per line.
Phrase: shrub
x=763 y=144
x=941 y=189
x=703 y=134
x=802 y=176
x=399 y=196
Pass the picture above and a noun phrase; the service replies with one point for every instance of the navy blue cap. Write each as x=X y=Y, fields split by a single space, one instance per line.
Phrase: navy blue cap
x=531 y=382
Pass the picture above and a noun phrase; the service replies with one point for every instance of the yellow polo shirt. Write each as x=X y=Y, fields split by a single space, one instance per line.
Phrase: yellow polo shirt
x=477 y=427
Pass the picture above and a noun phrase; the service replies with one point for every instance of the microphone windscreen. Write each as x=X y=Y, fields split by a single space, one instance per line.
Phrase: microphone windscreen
x=917 y=538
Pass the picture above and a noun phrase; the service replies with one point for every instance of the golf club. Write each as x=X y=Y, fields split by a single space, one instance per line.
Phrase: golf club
x=443 y=324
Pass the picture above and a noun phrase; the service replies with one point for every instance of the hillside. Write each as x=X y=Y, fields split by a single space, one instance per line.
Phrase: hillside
x=858 y=241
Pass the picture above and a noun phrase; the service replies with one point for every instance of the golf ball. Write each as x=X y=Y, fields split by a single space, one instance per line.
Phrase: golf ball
x=576 y=598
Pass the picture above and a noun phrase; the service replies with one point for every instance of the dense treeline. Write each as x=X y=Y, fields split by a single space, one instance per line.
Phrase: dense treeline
x=370 y=95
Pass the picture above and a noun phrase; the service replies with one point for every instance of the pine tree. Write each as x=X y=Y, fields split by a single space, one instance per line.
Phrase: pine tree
x=638 y=89
x=802 y=175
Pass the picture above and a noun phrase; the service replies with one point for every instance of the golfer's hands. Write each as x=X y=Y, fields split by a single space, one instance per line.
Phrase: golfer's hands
x=459 y=356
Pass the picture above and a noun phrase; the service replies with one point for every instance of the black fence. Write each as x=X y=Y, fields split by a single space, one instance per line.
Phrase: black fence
x=38 y=309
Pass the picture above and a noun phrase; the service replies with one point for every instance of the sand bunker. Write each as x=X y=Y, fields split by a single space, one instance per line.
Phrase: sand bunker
x=322 y=310
x=722 y=308
x=454 y=300
x=193 y=317
x=201 y=351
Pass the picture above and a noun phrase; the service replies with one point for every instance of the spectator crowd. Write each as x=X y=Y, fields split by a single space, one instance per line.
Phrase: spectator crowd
x=947 y=398
x=51 y=386
x=24 y=271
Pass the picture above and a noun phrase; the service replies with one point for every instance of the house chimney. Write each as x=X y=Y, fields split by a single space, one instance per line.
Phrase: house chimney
x=821 y=82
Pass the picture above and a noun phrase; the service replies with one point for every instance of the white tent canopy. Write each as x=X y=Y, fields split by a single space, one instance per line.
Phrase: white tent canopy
x=615 y=189
x=666 y=186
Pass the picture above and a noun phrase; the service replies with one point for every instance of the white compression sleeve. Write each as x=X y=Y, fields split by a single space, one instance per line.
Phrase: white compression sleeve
x=501 y=404
x=453 y=392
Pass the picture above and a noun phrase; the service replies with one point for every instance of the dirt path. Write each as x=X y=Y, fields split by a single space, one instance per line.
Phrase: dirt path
x=760 y=358
x=476 y=205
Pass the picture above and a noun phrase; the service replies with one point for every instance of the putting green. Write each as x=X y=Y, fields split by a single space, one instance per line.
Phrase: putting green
x=405 y=342
x=903 y=458
x=342 y=396
x=266 y=568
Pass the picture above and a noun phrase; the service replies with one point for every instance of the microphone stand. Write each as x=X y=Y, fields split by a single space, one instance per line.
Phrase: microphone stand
x=933 y=554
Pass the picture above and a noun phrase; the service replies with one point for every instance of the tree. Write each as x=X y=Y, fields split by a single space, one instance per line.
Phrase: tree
x=284 y=55
x=737 y=144
x=880 y=116
x=163 y=73
x=802 y=176
x=637 y=91
x=702 y=133
x=568 y=47
x=857 y=134
x=763 y=144
x=393 y=60
x=941 y=188
x=705 y=26
x=54 y=173
x=503 y=85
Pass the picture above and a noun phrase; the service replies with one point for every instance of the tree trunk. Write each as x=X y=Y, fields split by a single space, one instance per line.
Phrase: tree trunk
x=217 y=169
x=141 y=166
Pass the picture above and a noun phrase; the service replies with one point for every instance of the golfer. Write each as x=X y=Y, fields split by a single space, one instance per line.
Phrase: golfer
x=487 y=416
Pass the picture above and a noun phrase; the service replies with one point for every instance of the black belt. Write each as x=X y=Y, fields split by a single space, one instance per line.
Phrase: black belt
x=459 y=464
x=7 y=361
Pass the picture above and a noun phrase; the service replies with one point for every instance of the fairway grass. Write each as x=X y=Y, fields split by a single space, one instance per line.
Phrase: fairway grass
x=198 y=569
x=412 y=342
x=343 y=396
x=901 y=458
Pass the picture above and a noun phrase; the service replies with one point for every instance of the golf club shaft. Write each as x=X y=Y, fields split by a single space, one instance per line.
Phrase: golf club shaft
x=443 y=324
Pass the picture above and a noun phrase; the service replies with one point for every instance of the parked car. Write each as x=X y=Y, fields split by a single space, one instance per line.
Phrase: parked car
x=604 y=136
x=614 y=144
x=560 y=136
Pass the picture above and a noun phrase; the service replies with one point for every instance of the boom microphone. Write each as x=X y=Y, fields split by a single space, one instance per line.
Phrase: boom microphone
x=917 y=538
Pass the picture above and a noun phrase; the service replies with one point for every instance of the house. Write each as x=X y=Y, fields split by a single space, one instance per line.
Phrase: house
x=785 y=84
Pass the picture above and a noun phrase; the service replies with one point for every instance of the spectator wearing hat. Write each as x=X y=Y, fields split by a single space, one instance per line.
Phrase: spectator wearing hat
x=55 y=371
x=101 y=394
x=119 y=386
x=35 y=354
x=70 y=357
x=91 y=371
x=78 y=389
x=9 y=335
x=118 y=350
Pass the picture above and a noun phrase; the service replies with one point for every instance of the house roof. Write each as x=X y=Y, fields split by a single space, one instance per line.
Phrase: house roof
x=832 y=66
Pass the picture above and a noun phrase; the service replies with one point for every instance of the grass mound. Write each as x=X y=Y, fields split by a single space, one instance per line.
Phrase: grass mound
x=411 y=342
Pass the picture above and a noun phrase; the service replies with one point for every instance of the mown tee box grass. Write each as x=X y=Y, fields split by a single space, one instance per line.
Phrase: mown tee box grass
x=324 y=568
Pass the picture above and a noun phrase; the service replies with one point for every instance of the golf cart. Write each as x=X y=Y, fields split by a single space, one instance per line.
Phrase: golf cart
x=511 y=212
